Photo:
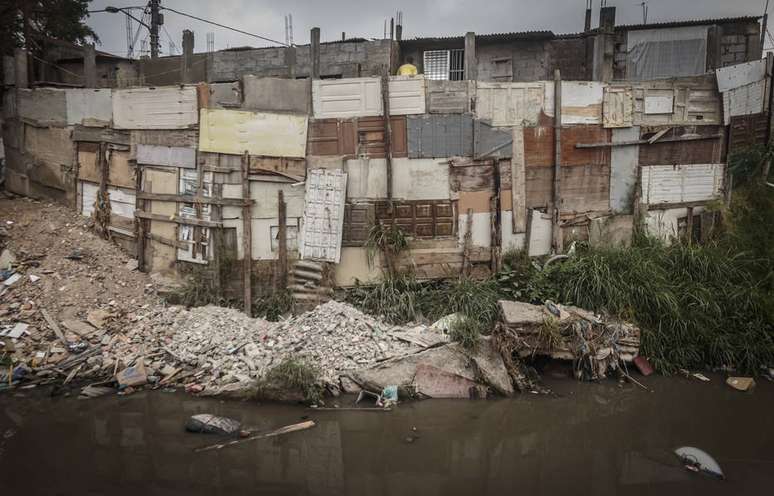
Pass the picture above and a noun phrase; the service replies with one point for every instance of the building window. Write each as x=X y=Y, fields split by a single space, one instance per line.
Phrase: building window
x=445 y=64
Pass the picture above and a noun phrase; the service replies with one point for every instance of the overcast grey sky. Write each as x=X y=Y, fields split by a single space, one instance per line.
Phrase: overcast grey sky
x=365 y=18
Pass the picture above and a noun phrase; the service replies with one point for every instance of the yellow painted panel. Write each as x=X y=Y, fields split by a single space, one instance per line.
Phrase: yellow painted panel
x=260 y=133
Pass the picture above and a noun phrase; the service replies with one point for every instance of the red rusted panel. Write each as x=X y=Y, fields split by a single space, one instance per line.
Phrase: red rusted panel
x=708 y=151
x=539 y=147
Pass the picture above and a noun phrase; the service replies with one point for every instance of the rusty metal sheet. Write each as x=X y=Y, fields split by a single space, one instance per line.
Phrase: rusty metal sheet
x=617 y=107
x=747 y=130
x=419 y=218
x=449 y=97
x=324 y=215
x=442 y=135
x=665 y=184
x=539 y=147
x=155 y=108
x=685 y=152
x=348 y=97
x=258 y=133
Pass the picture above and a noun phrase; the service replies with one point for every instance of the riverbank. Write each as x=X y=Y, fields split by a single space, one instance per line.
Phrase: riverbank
x=588 y=438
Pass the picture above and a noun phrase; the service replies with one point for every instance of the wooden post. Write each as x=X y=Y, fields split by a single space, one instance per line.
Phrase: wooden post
x=315 y=53
x=471 y=69
x=90 y=66
x=247 y=235
x=387 y=132
x=689 y=227
x=139 y=224
x=518 y=182
x=282 y=239
x=22 y=78
x=557 y=196
x=216 y=235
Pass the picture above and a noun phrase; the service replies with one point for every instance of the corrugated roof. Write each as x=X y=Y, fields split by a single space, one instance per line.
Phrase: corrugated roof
x=689 y=22
x=514 y=36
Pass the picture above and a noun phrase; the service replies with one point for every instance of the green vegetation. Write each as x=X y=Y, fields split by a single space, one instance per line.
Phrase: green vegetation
x=390 y=241
x=274 y=305
x=466 y=332
x=292 y=374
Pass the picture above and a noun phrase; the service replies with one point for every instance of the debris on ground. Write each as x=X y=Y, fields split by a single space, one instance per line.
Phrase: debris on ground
x=596 y=345
x=206 y=423
x=741 y=383
x=308 y=424
x=699 y=461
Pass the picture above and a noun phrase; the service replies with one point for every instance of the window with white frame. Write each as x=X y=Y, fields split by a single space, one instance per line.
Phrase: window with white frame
x=444 y=64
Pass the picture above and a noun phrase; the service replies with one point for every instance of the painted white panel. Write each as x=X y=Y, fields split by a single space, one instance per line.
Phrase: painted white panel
x=509 y=239
x=681 y=183
x=323 y=215
x=659 y=104
x=665 y=223
x=89 y=106
x=540 y=234
x=744 y=100
x=155 y=108
x=480 y=232
x=259 y=133
x=738 y=75
x=512 y=104
x=420 y=179
x=266 y=203
x=265 y=245
x=122 y=201
x=170 y=156
x=349 y=97
x=407 y=95
x=617 y=107
x=582 y=102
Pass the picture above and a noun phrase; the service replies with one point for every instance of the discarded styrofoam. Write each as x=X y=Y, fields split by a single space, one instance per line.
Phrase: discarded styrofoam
x=16 y=331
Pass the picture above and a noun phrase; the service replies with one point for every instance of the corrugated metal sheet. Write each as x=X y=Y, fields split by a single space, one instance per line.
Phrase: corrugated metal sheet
x=491 y=142
x=420 y=219
x=407 y=95
x=617 y=106
x=744 y=100
x=349 y=97
x=155 y=108
x=431 y=136
x=623 y=170
x=696 y=101
x=44 y=106
x=170 y=156
x=323 y=215
x=356 y=137
x=735 y=76
x=449 y=97
x=510 y=104
x=89 y=106
x=258 y=133
x=681 y=183
x=122 y=201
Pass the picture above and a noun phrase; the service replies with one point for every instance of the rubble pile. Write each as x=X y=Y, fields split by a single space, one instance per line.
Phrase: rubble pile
x=597 y=345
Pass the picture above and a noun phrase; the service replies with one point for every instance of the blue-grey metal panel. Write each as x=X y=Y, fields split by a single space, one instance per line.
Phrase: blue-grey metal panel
x=492 y=142
x=440 y=136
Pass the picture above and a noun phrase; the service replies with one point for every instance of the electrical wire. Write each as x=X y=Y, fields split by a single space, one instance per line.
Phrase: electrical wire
x=224 y=26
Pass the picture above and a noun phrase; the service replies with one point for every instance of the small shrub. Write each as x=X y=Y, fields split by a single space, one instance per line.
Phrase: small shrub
x=275 y=305
x=466 y=331
x=292 y=374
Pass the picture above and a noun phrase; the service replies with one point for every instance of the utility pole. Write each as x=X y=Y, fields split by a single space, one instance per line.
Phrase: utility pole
x=156 y=21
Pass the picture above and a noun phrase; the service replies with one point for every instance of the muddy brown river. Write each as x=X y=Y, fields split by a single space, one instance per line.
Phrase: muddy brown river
x=587 y=439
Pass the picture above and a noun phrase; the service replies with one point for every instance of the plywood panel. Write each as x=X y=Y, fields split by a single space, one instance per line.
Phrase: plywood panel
x=695 y=101
x=510 y=104
x=155 y=108
x=449 y=97
x=121 y=171
x=617 y=107
x=163 y=257
x=585 y=188
x=539 y=146
x=258 y=133
x=582 y=102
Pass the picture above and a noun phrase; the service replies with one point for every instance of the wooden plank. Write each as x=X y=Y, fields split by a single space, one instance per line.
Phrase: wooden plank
x=233 y=202
x=518 y=182
x=283 y=241
x=387 y=133
x=177 y=219
x=167 y=241
x=646 y=142
x=557 y=196
x=247 y=236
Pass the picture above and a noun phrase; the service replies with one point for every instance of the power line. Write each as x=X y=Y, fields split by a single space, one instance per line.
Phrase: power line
x=224 y=26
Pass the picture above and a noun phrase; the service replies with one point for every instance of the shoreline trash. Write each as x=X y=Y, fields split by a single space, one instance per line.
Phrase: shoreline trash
x=741 y=383
x=205 y=423
x=277 y=432
x=699 y=461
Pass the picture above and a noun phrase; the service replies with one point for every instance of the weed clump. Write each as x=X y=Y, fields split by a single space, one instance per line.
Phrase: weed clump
x=466 y=331
x=274 y=305
x=291 y=375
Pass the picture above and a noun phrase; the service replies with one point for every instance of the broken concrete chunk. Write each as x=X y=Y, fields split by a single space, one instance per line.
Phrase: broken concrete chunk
x=98 y=318
x=133 y=376
x=7 y=259
x=517 y=313
x=741 y=383
x=434 y=382
x=78 y=327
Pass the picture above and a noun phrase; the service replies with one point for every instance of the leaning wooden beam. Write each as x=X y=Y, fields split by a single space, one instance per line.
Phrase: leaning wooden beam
x=277 y=432
x=206 y=200
x=177 y=219
x=247 y=237
x=167 y=241
x=647 y=142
